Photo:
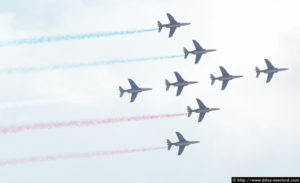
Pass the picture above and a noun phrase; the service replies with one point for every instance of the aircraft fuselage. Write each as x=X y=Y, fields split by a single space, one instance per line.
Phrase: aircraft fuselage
x=175 y=25
x=273 y=70
x=185 y=83
x=196 y=52
x=205 y=110
x=222 y=78
x=137 y=90
x=186 y=143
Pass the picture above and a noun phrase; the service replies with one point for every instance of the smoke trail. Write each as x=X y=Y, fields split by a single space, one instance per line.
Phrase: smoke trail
x=76 y=156
x=79 y=65
x=47 y=39
x=39 y=126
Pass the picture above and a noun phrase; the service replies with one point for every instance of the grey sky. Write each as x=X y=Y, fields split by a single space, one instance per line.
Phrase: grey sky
x=256 y=132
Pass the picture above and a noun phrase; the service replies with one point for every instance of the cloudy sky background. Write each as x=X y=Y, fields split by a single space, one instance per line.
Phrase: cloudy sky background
x=256 y=132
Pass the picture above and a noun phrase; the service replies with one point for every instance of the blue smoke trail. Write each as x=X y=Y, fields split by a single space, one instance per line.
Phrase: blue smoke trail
x=79 y=65
x=47 y=39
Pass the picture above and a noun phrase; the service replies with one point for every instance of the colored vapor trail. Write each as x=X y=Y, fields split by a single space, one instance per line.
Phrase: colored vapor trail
x=39 y=126
x=80 y=65
x=77 y=155
x=47 y=39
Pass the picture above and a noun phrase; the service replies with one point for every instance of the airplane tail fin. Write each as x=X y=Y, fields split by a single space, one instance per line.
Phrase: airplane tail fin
x=189 y=111
x=169 y=144
x=168 y=84
x=212 y=77
x=121 y=91
x=257 y=71
x=186 y=53
x=159 y=26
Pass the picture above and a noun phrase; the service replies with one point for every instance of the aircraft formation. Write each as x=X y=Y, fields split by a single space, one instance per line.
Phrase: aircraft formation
x=181 y=83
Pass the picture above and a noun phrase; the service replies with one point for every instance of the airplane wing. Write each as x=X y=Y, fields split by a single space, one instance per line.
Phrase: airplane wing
x=171 y=19
x=198 y=57
x=201 y=116
x=179 y=90
x=224 y=84
x=133 y=96
x=200 y=103
x=224 y=72
x=132 y=84
x=180 y=150
x=269 y=64
x=172 y=30
x=197 y=45
x=180 y=137
x=178 y=77
x=270 y=75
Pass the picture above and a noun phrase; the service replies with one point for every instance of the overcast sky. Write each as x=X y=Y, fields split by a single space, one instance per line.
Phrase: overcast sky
x=256 y=132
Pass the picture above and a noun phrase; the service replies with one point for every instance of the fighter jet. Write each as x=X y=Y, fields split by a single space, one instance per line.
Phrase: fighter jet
x=270 y=70
x=182 y=143
x=225 y=78
x=172 y=25
x=199 y=51
x=134 y=90
x=202 y=110
x=180 y=83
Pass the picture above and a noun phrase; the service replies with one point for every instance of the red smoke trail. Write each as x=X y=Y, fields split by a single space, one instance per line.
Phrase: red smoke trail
x=39 y=126
x=76 y=155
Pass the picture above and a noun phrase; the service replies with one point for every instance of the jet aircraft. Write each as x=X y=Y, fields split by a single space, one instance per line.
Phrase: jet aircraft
x=181 y=143
x=134 y=90
x=270 y=70
x=225 y=78
x=180 y=83
x=202 y=110
x=199 y=51
x=172 y=25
